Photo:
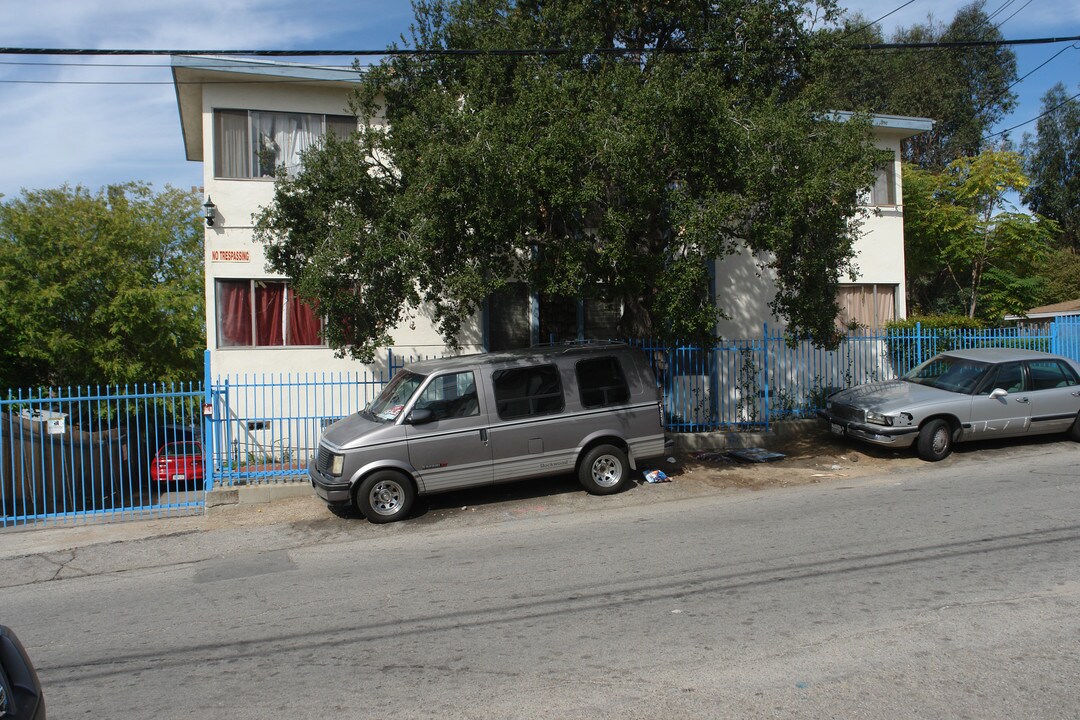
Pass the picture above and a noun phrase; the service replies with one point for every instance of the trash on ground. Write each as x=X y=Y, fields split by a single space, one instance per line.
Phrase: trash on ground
x=656 y=476
x=672 y=460
x=713 y=456
x=756 y=455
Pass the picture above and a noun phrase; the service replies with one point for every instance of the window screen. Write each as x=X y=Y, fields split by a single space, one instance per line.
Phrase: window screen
x=523 y=392
x=601 y=382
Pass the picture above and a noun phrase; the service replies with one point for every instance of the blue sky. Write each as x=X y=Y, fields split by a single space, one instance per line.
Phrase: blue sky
x=61 y=131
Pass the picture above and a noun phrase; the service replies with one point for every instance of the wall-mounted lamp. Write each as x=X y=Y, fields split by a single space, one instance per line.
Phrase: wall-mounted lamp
x=211 y=211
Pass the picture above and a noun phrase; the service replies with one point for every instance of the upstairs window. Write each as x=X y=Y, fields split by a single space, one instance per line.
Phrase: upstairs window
x=254 y=143
x=883 y=191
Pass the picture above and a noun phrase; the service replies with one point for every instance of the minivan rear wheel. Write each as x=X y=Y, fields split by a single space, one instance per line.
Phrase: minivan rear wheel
x=385 y=496
x=604 y=470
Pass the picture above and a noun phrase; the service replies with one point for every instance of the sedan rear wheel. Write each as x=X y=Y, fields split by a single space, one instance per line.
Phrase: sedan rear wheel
x=1074 y=431
x=935 y=441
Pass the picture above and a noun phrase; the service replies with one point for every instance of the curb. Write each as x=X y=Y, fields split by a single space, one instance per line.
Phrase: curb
x=226 y=497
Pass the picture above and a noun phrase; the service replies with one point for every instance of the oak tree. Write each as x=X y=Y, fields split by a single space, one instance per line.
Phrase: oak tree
x=593 y=150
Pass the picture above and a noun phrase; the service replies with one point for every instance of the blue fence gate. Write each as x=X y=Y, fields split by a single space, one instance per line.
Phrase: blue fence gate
x=81 y=454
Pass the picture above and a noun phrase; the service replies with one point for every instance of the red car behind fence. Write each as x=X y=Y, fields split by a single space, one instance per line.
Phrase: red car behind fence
x=178 y=462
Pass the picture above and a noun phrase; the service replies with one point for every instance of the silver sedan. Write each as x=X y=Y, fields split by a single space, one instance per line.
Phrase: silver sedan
x=962 y=395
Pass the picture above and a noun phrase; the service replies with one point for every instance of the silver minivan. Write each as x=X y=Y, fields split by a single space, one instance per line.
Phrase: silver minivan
x=474 y=420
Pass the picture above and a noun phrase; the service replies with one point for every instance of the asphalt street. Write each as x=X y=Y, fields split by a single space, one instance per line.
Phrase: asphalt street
x=949 y=590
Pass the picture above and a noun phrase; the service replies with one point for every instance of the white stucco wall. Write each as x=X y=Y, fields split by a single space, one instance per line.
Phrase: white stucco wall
x=744 y=287
x=231 y=253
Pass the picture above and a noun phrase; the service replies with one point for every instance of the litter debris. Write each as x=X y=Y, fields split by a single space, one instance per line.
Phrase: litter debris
x=756 y=455
x=713 y=456
x=671 y=460
x=656 y=476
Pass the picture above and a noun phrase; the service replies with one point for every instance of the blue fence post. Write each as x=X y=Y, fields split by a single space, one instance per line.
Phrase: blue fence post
x=918 y=344
x=765 y=372
x=209 y=466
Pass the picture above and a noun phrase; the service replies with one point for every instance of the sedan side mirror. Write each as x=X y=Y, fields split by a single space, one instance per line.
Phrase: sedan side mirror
x=998 y=393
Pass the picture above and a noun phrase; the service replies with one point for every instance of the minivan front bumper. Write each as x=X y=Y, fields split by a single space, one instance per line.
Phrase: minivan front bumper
x=330 y=489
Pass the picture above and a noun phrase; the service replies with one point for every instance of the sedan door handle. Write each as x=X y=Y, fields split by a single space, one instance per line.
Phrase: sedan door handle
x=1022 y=400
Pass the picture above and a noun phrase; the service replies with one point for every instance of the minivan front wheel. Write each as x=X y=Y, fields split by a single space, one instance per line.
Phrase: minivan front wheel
x=385 y=496
x=604 y=470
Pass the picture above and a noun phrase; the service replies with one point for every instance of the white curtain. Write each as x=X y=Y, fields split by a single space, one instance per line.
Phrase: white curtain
x=279 y=139
x=232 y=158
x=868 y=306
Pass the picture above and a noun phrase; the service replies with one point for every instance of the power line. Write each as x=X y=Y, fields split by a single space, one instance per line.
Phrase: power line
x=1017 y=12
x=500 y=51
x=1052 y=110
x=858 y=30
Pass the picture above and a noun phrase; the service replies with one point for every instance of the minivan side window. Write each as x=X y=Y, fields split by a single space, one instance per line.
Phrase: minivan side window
x=450 y=396
x=527 y=391
x=601 y=382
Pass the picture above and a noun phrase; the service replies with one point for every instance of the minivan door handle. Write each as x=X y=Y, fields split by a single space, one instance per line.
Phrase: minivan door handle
x=483 y=436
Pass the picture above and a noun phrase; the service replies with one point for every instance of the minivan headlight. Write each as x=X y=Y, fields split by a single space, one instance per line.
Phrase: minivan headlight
x=878 y=418
x=337 y=464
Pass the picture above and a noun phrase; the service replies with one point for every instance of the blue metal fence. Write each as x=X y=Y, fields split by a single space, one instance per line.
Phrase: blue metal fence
x=82 y=453
x=265 y=427
x=85 y=453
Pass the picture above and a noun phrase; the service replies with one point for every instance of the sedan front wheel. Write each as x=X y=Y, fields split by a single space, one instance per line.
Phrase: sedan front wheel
x=935 y=441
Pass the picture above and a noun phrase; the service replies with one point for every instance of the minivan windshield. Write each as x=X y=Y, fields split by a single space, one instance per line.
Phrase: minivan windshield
x=946 y=372
x=394 y=397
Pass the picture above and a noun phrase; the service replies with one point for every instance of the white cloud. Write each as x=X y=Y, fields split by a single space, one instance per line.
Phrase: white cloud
x=97 y=134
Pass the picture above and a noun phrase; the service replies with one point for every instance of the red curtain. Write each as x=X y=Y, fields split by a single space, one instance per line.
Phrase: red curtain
x=304 y=323
x=234 y=313
x=269 y=298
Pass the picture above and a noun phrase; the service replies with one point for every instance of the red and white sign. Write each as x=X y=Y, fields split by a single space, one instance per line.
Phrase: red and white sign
x=230 y=255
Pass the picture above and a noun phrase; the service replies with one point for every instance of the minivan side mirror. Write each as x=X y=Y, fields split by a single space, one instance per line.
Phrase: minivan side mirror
x=420 y=416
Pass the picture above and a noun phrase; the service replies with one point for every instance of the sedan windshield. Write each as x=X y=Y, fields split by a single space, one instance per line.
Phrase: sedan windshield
x=393 y=398
x=946 y=372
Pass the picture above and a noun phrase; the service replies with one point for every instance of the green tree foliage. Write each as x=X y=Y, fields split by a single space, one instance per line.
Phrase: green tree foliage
x=967 y=249
x=1054 y=164
x=964 y=90
x=100 y=287
x=586 y=174
x=1059 y=276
